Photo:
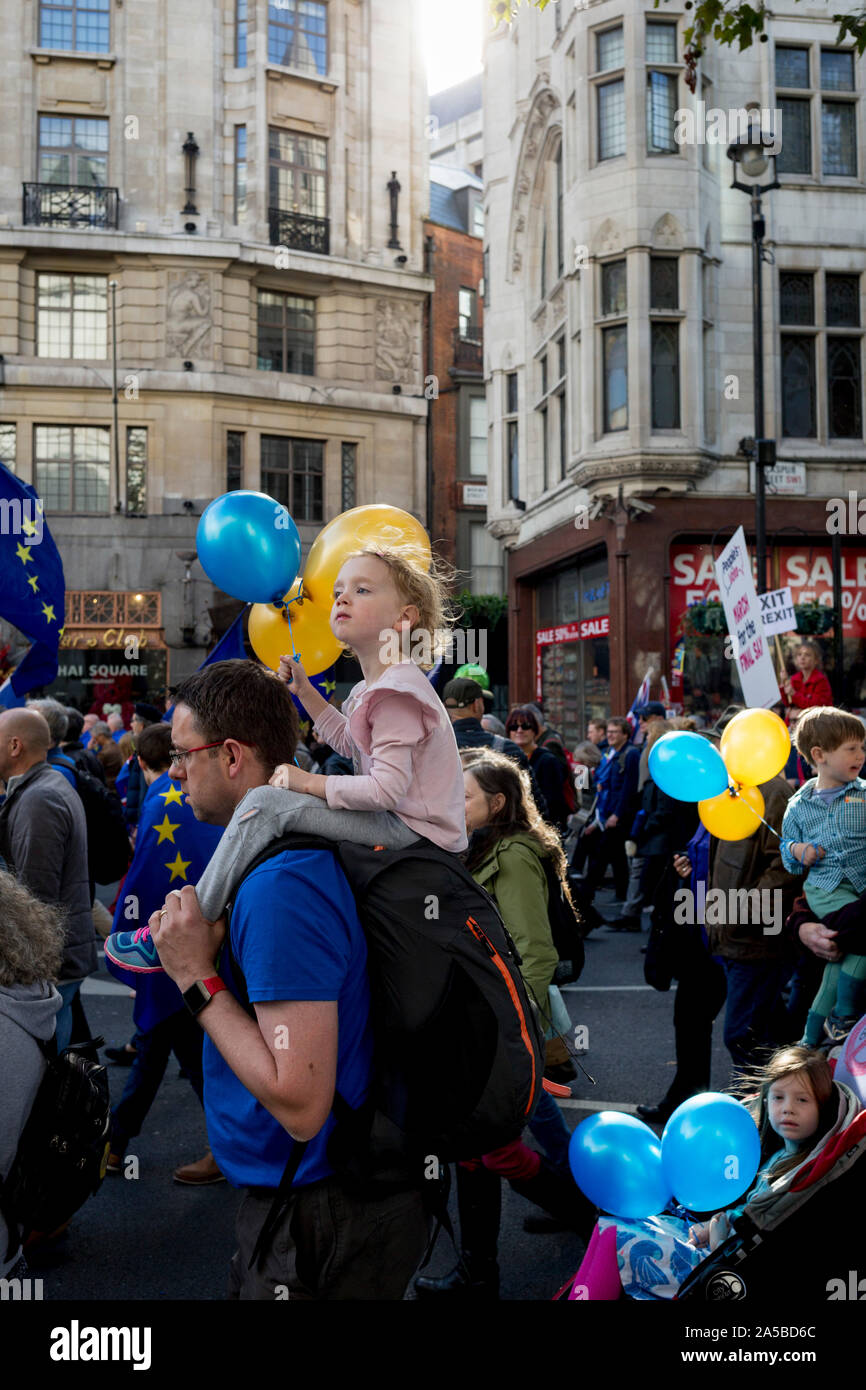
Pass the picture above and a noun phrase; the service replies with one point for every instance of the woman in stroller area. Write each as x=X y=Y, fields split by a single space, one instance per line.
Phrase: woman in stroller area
x=792 y=1227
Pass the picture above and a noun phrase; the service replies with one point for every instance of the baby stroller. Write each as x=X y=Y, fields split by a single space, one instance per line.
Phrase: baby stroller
x=794 y=1240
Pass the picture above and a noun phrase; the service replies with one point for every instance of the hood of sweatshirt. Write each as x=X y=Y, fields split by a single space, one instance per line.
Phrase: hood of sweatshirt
x=32 y=1007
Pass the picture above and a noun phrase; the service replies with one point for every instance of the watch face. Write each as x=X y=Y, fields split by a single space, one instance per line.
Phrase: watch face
x=197 y=996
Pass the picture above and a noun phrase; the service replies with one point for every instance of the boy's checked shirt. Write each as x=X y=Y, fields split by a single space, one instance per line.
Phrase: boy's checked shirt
x=837 y=825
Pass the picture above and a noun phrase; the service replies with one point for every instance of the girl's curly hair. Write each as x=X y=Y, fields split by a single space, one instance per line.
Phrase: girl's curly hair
x=31 y=935
x=426 y=584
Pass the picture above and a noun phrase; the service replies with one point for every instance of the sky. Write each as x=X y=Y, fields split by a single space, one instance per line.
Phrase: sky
x=452 y=35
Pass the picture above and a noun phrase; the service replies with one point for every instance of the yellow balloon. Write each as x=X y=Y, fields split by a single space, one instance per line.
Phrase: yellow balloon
x=732 y=817
x=755 y=746
x=315 y=643
x=376 y=524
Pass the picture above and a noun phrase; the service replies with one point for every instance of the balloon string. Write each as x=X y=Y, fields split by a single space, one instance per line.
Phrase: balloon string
x=291 y=633
x=760 y=818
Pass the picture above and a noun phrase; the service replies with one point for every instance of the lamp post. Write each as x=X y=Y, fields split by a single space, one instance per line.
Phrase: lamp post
x=751 y=154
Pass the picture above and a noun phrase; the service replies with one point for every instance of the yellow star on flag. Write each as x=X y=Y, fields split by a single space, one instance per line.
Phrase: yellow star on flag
x=178 y=867
x=173 y=795
x=329 y=687
x=28 y=527
x=166 y=830
x=23 y=552
x=33 y=581
x=48 y=610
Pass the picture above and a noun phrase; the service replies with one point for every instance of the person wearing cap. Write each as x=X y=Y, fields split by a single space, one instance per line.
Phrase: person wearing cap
x=465 y=700
x=143 y=716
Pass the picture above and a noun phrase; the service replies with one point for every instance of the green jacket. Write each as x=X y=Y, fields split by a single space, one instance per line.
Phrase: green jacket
x=514 y=876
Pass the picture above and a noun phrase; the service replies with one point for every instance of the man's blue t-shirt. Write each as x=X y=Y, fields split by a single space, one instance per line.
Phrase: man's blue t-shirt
x=296 y=935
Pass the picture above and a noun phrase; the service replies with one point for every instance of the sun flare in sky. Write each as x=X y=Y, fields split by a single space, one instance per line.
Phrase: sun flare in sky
x=451 y=34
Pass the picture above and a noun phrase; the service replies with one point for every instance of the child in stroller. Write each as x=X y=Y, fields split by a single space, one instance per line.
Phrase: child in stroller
x=813 y=1129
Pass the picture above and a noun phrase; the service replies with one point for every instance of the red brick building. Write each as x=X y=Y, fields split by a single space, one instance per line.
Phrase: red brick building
x=455 y=362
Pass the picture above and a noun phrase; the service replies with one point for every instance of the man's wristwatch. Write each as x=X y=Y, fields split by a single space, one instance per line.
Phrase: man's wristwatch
x=199 y=995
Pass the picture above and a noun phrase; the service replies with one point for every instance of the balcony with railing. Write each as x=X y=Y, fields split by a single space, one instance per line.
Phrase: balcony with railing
x=300 y=231
x=69 y=205
x=469 y=348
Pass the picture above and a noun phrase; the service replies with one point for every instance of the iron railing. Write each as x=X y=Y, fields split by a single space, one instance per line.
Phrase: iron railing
x=300 y=231
x=69 y=205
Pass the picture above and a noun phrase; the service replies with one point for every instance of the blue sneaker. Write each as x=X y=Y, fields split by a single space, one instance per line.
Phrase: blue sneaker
x=133 y=950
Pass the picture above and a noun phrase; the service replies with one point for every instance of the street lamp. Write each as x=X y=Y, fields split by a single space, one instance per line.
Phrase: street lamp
x=752 y=154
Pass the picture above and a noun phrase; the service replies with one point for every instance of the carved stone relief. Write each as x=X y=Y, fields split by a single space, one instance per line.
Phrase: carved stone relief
x=188 y=322
x=396 y=334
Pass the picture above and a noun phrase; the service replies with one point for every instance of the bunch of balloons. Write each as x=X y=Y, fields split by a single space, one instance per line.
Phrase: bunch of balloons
x=249 y=546
x=707 y=1158
x=724 y=781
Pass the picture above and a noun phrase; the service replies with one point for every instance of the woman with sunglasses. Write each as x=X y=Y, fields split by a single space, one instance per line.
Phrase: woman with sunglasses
x=523 y=727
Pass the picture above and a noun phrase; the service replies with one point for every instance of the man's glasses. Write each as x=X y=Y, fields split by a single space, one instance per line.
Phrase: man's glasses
x=178 y=756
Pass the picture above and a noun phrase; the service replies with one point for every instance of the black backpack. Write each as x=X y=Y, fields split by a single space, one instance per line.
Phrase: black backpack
x=458 y=1053
x=567 y=928
x=108 y=851
x=63 y=1149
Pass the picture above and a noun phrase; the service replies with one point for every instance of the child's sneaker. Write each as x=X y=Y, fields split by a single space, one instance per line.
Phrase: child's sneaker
x=836 y=1028
x=133 y=950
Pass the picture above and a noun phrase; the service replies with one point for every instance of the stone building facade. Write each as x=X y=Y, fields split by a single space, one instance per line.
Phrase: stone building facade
x=240 y=186
x=618 y=339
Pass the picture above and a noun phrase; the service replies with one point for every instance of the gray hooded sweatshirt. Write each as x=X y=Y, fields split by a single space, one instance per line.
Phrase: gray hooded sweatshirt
x=27 y=1012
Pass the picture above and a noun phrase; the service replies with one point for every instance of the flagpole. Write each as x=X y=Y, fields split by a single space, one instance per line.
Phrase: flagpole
x=112 y=284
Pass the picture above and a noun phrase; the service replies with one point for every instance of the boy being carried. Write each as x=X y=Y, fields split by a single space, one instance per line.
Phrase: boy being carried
x=824 y=832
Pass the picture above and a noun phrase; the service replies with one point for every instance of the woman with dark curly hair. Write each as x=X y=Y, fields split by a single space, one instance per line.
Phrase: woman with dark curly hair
x=31 y=952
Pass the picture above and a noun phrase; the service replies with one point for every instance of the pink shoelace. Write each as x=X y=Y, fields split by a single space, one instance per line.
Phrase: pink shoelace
x=142 y=934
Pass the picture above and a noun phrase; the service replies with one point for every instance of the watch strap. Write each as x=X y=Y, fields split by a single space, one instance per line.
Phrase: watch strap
x=199 y=995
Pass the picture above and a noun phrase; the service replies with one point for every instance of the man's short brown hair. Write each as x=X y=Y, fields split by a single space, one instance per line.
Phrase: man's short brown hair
x=240 y=699
x=152 y=746
x=827 y=728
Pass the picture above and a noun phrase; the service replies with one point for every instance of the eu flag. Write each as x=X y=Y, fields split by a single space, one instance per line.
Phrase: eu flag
x=171 y=848
x=32 y=587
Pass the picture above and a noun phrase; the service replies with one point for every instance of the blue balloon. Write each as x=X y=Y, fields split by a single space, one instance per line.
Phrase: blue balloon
x=687 y=767
x=710 y=1151
x=249 y=546
x=616 y=1161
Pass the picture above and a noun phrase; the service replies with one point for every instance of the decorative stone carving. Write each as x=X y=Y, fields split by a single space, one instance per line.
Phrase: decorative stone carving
x=608 y=238
x=395 y=340
x=667 y=232
x=504 y=528
x=520 y=223
x=516 y=262
x=188 y=322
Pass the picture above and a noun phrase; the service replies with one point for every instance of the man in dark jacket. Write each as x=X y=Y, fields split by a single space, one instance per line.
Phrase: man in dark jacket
x=604 y=837
x=43 y=841
x=464 y=699
x=75 y=749
x=756 y=954
x=56 y=718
